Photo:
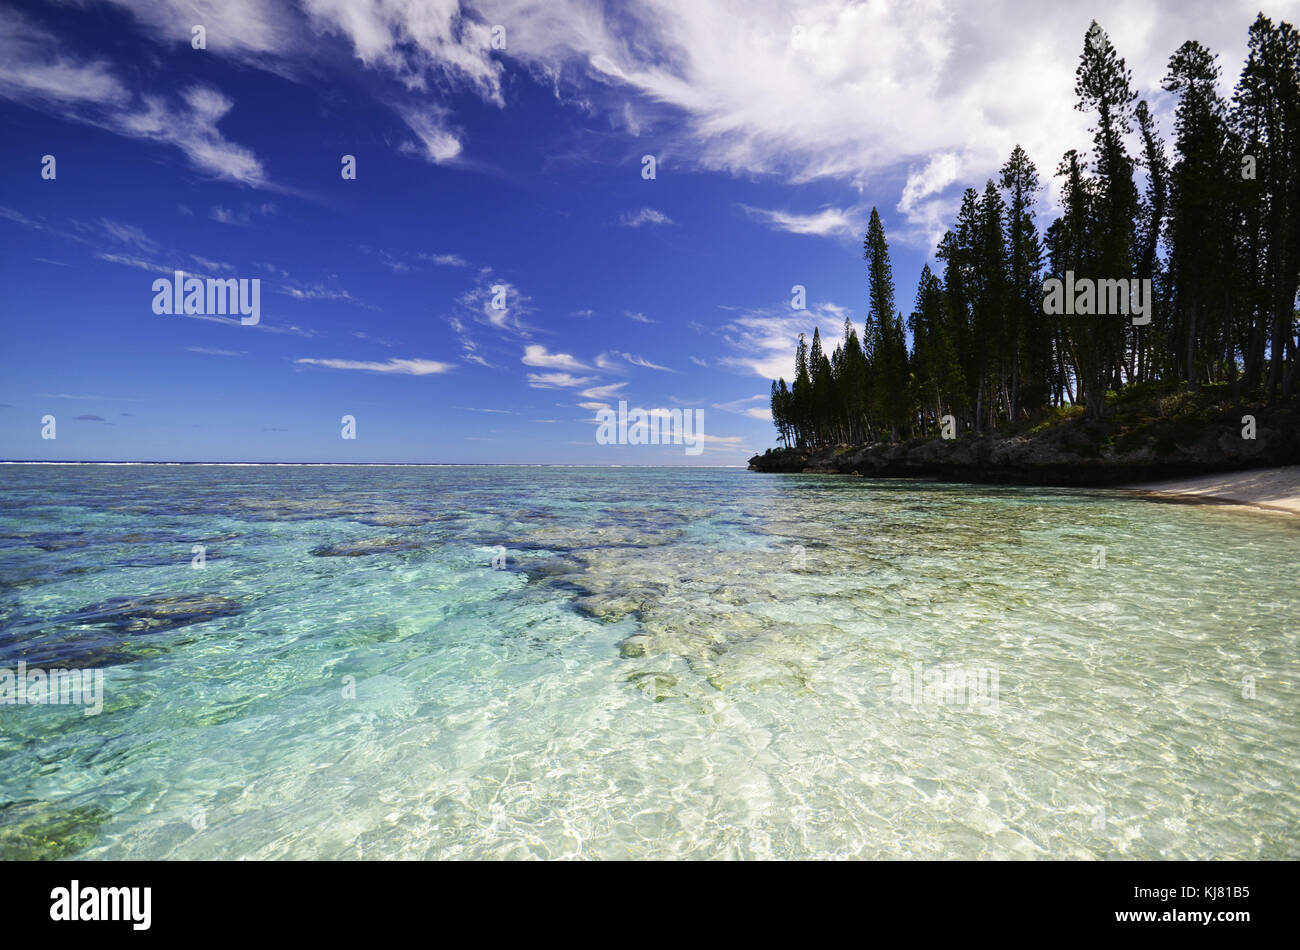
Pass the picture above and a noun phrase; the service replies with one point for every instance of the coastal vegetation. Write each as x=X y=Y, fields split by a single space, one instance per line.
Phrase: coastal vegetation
x=1214 y=227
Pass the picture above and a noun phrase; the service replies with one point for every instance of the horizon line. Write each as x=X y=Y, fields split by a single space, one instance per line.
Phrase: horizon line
x=335 y=464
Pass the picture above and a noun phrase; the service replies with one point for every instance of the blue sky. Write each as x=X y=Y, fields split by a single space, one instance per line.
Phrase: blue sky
x=775 y=127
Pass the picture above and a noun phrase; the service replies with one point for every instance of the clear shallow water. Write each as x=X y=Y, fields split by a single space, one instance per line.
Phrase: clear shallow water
x=495 y=714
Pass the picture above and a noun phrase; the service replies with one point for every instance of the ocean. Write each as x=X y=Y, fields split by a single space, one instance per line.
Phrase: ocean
x=545 y=662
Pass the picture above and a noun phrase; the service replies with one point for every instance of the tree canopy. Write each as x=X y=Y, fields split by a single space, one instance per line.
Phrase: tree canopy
x=1215 y=229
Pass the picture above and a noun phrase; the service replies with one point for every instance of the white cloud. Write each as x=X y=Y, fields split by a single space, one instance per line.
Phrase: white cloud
x=928 y=220
x=191 y=126
x=539 y=356
x=33 y=66
x=438 y=142
x=870 y=91
x=247 y=29
x=244 y=215
x=317 y=292
x=604 y=392
x=765 y=339
x=938 y=174
x=128 y=234
x=829 y=222
x=638 y=317
x=479 y=305
x=616 y=362
x=755 y=407
x=412 y=367
x=723 y=440
x=446 y=260
x=469 y=346
x=128 y=261
x=211 y=264
x=644 y=216
x=638 y=361
x=422 y=43
x=918 y=99
x=557 y=380
x=874 y=85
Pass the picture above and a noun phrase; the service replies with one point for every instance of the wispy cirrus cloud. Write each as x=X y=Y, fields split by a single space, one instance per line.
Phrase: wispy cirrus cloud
x=608 y=391
x=400 y=367
x=857 y=93
x=209 y=264
x=618 y=362
x=189 y=122
x=762 y=341
x=316 y=292
x=646 y=364
x=928 y=216
x=127 y=260
x=470 y=351
x=245 y=215
x=497 y=305
x=755 y=407
x=129 y=235
x=437 y=141
x=540 y=356
x=557 y=380
x=828 y=222
x=36 y=68
x=445 y=260
x=249 y=30
x=644 y=216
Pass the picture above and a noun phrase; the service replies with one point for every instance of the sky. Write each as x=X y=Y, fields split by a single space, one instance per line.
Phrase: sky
x=500 y=154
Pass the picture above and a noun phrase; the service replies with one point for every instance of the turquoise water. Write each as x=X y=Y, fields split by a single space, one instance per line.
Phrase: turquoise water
x=657 y=671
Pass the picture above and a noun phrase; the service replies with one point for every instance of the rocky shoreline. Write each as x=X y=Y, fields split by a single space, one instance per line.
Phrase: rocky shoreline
x=1123 y=450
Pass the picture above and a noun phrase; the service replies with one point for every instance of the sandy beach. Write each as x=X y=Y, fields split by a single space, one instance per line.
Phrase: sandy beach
x=1274 y=489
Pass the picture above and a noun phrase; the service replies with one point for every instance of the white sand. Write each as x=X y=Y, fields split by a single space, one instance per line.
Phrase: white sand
x=1277 y=489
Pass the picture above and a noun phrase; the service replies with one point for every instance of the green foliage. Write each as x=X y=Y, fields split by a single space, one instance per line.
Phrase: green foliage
x=1220 y=246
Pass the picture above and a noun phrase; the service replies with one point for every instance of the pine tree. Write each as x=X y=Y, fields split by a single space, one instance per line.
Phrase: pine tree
x=939 y=387
x=883 y=332
x=1154 y=208
x=1103 y=85
x=1028 y=338
x=852 y=385
x=991 y=302
x=1197 y=179
x=801 y=395
x=1267 y=117
x=1220 y=244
